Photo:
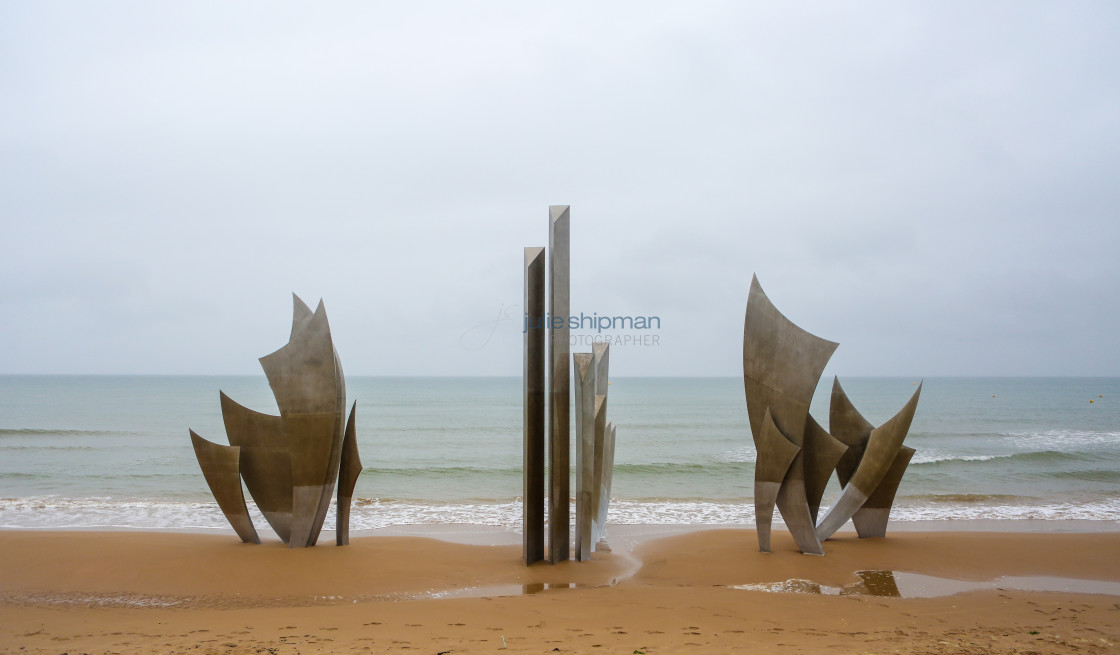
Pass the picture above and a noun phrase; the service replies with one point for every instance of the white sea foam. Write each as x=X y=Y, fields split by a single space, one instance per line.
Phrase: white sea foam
x=1101 y=510
x=1064 y=440
x=933 y=456
x=745 y=454
x=50 y=512
x=92 y=513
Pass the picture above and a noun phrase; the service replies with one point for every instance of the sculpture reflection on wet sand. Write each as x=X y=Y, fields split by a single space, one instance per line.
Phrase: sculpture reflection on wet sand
x=782 y=365
x=290 y=463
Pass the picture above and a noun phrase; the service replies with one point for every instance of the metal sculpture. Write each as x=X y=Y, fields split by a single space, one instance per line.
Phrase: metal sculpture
x=349 y=468
x=290 y=463
x=585 y=406
x=605 y=488
x=881 y=459
x=782 y=365
x=533 y=401
x=592 y=430
x=595 y=437
x=559 y=267
x=601 y=362
x=220 y=467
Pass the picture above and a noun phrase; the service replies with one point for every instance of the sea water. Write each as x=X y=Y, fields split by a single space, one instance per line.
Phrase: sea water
x=109 y=451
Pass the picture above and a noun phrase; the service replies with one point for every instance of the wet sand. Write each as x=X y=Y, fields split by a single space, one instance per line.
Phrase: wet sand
x=701 y=591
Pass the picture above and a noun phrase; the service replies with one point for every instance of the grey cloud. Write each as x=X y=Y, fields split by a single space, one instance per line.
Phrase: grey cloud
x=929 y=184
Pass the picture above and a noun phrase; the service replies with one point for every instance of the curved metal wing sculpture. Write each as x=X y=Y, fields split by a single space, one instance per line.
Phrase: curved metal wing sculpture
x=350 y=467
x=782 y=364
x=221 y=468
x=291 y=462
x=795 y=455
x=882 y=454
x=266 y=465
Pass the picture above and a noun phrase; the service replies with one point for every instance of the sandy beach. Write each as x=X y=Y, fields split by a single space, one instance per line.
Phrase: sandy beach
x=705 y=591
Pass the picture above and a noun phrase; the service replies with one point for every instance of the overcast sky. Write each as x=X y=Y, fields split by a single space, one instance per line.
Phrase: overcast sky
x=935 y=186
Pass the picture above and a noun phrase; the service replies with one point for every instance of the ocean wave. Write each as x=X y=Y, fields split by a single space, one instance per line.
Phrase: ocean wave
x=51 y=512
x=1087 y=475
x=44 y=447
x=112 y=478
x=35 y=432
x=1046 y=457
x=743 y=454
x=683 y=468
x=936 y=456
x=967 y=499
x=443 y=471
x=1103 y=510
x=1064 y=440
x=646 y=468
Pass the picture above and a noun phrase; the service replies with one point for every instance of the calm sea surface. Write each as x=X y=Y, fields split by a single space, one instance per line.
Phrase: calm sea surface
x=108 y=451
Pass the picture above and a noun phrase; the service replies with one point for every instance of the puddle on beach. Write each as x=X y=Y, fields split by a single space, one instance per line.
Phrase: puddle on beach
x=503 y=590
x=903 y=584
x=225 y=601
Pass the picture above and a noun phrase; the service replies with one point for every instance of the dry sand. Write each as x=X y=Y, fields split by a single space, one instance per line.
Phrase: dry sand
x=86 y=592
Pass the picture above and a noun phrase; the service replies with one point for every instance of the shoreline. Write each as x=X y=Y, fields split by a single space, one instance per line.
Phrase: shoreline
x=692 y=591
x=626 y=536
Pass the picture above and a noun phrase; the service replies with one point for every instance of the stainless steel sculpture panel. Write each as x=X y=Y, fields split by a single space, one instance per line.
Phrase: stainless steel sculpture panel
x=265 y=462
x=781 y=367
x=221 y=468
x=349 y=468
x=533 y=401
x=882 y=453
x=774 y=455
x=585 y=402
x=871 y=519
x=821 y=451
x=605 y=486
x=559 y=532
x=601 y=362
x=292 y=461
x=594 y=434
x=795 y=455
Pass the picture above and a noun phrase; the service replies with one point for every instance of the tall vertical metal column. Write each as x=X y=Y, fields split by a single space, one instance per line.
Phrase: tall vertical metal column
x=533 y=382
x=601 y=363
x=608 y=472
x=585 y=451
x=559 y=267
